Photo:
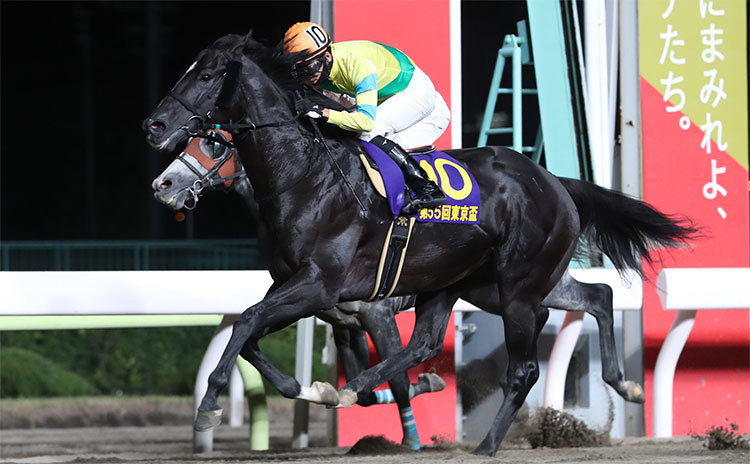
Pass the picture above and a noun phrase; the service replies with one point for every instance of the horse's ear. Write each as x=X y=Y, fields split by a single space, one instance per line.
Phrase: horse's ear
x=248 y=44
x=248 y=40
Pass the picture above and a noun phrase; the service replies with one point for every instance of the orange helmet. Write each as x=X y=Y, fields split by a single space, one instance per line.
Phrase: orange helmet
x=307 y=37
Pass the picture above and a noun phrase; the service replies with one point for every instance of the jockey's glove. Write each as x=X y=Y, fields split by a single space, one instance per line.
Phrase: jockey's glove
x=308 y=108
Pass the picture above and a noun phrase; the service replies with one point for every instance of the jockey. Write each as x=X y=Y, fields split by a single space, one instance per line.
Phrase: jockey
x=393 y=98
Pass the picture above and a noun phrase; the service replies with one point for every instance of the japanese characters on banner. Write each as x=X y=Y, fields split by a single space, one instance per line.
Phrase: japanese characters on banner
x=693 y=66
x=678 y=76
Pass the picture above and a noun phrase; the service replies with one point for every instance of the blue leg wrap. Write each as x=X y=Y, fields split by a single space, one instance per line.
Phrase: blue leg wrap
x=411 y=436
x=384 y=396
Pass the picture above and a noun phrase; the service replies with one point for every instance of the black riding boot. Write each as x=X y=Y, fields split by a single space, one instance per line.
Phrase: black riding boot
x=426 y=193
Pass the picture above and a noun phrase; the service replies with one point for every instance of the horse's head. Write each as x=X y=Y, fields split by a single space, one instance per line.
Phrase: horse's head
x=206 y=164
x=215 y=89
x=205 y=93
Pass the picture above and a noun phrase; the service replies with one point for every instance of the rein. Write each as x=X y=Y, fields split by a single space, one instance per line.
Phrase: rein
x=236 y=127
x=199 y=126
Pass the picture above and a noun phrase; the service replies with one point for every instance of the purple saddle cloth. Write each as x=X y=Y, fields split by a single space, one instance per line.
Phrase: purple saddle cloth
x=458 y=184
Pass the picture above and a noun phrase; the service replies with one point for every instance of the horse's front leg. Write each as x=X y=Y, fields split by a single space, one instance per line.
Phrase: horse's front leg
x=296 y=298
x=432 y=314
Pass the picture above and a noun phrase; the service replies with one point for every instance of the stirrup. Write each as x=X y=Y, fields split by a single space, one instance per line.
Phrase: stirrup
x=423 y=150
x=427 y=200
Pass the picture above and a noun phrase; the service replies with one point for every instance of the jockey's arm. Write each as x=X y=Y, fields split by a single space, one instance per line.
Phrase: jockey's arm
x=362 y=119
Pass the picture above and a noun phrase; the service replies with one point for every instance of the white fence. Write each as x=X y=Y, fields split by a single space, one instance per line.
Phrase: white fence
x=130 y=292
x=145 y=294
x=231 y=292
x=688 y=290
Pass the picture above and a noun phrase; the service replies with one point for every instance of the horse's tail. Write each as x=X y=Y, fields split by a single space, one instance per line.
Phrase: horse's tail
x=622 y=228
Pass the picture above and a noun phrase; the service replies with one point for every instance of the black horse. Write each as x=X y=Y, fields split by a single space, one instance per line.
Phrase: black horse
x=325 y=248
x=208 y=166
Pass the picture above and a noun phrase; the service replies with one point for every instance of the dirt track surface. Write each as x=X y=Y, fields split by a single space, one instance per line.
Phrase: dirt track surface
x=172 y=444
x=94 y=431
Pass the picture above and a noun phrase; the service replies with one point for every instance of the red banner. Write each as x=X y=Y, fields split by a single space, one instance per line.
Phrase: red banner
x=421 y=29
x=693 y=63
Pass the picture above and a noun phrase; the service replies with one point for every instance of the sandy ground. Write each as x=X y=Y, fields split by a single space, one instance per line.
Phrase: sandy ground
x=173 y=444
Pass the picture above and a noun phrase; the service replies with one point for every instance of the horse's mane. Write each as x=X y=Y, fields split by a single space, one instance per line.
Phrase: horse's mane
x=278 y=65
x=273 y=60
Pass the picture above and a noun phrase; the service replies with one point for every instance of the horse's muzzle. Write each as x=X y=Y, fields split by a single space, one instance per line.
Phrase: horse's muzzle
x=153 y=127
x=158 y=137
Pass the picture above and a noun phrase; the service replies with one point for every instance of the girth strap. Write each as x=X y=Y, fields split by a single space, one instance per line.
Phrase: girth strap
x=392 y=257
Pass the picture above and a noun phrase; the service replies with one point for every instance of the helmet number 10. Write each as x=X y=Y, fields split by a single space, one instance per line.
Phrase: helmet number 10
x=317 y=35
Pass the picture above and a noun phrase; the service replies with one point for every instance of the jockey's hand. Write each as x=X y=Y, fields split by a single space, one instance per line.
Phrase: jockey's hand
x=308 y=108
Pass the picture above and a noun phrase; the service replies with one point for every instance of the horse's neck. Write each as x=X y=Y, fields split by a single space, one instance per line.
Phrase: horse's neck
x=244 y=189
x=273 y=159
x=272 y=156
x=279 y=158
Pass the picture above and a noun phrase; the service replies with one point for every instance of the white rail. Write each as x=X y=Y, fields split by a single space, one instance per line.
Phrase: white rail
x=226 y=293
x=688 y=290
x=107 y=293
x=130 y=292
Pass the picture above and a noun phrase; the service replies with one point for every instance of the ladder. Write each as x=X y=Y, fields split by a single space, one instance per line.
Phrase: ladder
x=516 y=48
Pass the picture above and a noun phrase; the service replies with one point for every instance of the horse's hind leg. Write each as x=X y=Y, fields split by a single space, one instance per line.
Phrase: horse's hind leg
x=523 y=323
x=352 y=348
x=596 y=299
x=380 y=323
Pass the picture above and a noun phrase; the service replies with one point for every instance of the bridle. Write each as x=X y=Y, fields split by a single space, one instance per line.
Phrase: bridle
x=199 y=125
x=213 y=177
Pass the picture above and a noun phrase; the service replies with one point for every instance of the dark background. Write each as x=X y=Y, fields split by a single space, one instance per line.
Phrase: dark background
x=79 y=77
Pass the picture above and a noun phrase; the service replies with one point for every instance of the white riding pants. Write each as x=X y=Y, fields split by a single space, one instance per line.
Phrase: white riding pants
x=414 y=117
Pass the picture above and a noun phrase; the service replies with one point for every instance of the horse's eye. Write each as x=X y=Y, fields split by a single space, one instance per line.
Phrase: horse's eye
x=219 y=150
x=205 y=77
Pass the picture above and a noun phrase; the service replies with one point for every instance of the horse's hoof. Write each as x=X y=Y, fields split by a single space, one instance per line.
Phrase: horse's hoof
x=635 y=392
x=435 y=382
x=484 y=450
x=328 y=394
x=207 y=420
x=321 y=393
x=347 y=398
x=412 y=445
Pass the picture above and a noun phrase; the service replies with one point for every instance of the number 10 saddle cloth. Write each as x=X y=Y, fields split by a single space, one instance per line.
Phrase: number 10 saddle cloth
x=461 y=205
x=453 y=178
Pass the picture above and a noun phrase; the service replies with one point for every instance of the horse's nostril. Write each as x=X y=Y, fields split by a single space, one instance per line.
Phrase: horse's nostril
x=165 y=185
x=156 y=127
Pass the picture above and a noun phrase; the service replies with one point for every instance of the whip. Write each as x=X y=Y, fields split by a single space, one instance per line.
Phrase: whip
x=319 y=137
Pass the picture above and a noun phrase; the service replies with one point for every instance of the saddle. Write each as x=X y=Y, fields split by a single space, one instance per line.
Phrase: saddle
x=453 y=178
x=461 y=206
x=373 y=172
